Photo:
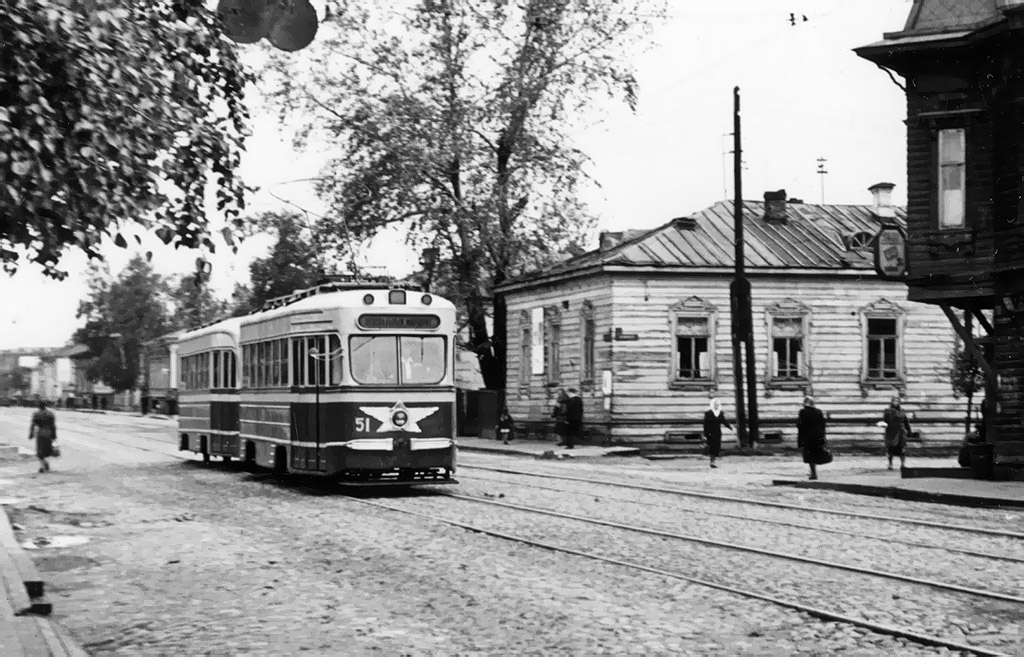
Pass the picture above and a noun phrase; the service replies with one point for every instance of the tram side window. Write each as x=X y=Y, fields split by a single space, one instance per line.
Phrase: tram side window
x=246 y=360
x=299 y=362
x=282 y=365
x=334 y=344
x=217 y=370
x=232 y=369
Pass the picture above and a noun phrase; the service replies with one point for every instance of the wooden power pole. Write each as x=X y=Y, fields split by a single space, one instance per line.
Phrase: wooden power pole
x=739 y=281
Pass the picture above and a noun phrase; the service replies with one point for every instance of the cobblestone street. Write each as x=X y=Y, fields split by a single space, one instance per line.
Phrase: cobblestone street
x=183 y=558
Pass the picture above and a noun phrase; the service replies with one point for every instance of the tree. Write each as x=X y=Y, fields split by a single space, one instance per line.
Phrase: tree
x=120 y=315
x=293 y=263
x=459 y=131
x=966 y=378
x=195 y=304
x=115 y=112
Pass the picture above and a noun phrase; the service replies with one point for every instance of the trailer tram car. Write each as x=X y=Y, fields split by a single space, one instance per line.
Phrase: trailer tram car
x=208 y=390
x=353 y=381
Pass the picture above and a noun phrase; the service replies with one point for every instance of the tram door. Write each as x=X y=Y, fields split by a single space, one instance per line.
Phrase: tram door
x=314 y=371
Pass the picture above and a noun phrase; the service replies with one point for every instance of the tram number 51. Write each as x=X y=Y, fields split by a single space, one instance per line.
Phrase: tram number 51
x=363 y=424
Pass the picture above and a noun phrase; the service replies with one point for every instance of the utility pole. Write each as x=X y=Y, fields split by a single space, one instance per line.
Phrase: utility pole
x=739 y=282
x=822 y=171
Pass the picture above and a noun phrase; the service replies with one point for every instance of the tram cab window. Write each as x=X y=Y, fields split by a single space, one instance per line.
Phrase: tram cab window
x=374 y=359
x=390 y=360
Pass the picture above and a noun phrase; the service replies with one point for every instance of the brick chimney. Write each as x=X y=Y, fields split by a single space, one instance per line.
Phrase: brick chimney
x=775 y=206
x=881 y=203
x=610 y=239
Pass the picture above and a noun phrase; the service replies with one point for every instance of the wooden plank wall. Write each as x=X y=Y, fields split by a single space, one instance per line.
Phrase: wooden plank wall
x=644 y=406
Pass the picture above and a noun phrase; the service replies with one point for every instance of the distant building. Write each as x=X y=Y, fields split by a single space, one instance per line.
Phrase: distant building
x=641 y=326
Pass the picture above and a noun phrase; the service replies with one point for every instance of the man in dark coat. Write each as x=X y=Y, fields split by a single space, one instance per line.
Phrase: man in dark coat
x=897 y=430
x=810 y=434
x=573 y=419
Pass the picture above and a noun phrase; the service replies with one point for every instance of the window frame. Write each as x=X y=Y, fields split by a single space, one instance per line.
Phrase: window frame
x=884 y=309
x=940 y=166
x=691 y=309
x=399 y=378
x=588 y=345
x=525 y=353
x=788 y=310
x=552 y=347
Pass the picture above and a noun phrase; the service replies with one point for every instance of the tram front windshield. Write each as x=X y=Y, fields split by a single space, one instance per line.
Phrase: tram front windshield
x=397 y=360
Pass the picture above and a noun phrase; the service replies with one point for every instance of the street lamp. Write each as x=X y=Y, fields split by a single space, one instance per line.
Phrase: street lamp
x=315 y=354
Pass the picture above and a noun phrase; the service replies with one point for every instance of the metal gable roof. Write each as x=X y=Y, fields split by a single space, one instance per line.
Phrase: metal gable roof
x=812 y=237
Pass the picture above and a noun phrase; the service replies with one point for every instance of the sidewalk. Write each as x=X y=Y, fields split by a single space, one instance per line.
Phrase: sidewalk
x=538 y=448
x=25 y=626
x=938 y=490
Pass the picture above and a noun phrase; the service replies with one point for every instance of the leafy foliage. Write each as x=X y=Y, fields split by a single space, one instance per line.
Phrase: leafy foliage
x=293 y=263
x=113 y=112
x=195 y=304
x=120 y=316
x=966 y=377
x=459 y=130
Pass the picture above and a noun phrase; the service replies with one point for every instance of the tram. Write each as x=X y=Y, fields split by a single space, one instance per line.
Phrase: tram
x=208 y=389
x=351 y=379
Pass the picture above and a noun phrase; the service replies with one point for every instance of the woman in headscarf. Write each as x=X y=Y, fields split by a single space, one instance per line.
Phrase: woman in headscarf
x=897 y=428
x=810 y=434
x=714 y=420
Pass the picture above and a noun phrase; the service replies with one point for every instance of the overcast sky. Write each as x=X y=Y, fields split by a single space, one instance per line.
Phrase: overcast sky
x=805 y=95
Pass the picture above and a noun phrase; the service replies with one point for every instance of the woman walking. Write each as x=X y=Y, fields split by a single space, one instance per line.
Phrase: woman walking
x=558 y=413
x=810 y=434
x=714 y=420
x=897 y=428
x=44 y=430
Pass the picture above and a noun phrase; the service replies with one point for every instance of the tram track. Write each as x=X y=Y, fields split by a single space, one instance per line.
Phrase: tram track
x=768 y=521
x=763 y=503
x=820 y=613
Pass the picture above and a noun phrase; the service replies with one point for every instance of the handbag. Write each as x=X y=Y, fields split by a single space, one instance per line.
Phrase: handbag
x=824 y=456
x=54 y=451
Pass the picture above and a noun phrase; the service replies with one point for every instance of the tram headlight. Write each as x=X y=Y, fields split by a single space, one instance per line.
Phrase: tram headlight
x=427 y=299
x=396 y=296
x=368 y=299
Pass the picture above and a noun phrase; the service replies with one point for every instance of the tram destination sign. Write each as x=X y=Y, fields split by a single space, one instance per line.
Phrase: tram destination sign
x=376 y=321
x=891 y=253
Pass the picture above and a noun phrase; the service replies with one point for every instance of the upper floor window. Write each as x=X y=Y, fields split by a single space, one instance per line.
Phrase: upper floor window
x=693 y=342
x=952 y=178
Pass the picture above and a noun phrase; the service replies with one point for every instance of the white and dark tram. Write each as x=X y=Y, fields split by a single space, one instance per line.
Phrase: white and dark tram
x=350 y=380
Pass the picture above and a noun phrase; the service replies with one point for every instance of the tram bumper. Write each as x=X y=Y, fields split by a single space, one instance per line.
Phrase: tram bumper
x=415 y=455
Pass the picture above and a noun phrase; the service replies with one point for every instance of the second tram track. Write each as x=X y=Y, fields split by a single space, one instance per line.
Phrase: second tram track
x=816 y=612
x=769 y=521
x=765 y=503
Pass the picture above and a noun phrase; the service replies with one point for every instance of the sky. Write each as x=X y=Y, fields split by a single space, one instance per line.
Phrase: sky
x=804 y=95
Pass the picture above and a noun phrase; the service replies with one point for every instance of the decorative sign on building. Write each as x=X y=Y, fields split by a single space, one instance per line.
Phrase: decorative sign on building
x=537 y=348
x=891 y=253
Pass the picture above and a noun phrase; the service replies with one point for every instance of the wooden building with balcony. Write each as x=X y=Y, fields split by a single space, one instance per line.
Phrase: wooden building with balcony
x=963 y=66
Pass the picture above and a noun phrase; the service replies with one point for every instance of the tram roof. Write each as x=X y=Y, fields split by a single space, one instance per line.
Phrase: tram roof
x=348 y=298
x=231 y=325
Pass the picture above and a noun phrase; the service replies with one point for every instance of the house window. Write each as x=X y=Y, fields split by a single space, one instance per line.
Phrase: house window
x=883 y=348
x=525 y=354
x=588 y=343
x=692 y=361
x=788 y=348
x=553 y=351
x=952 y=178
x=693 y=343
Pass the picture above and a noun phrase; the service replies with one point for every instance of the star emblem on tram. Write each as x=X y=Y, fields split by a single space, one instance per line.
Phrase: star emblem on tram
x=398 y=417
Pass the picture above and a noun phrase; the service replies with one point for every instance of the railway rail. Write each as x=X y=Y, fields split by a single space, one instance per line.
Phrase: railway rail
x=764 y=503
x=781 y=523
x=907 y=633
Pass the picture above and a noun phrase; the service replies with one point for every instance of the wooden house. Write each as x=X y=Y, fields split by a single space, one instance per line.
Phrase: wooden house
x=963 y=66
x=641 y=326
